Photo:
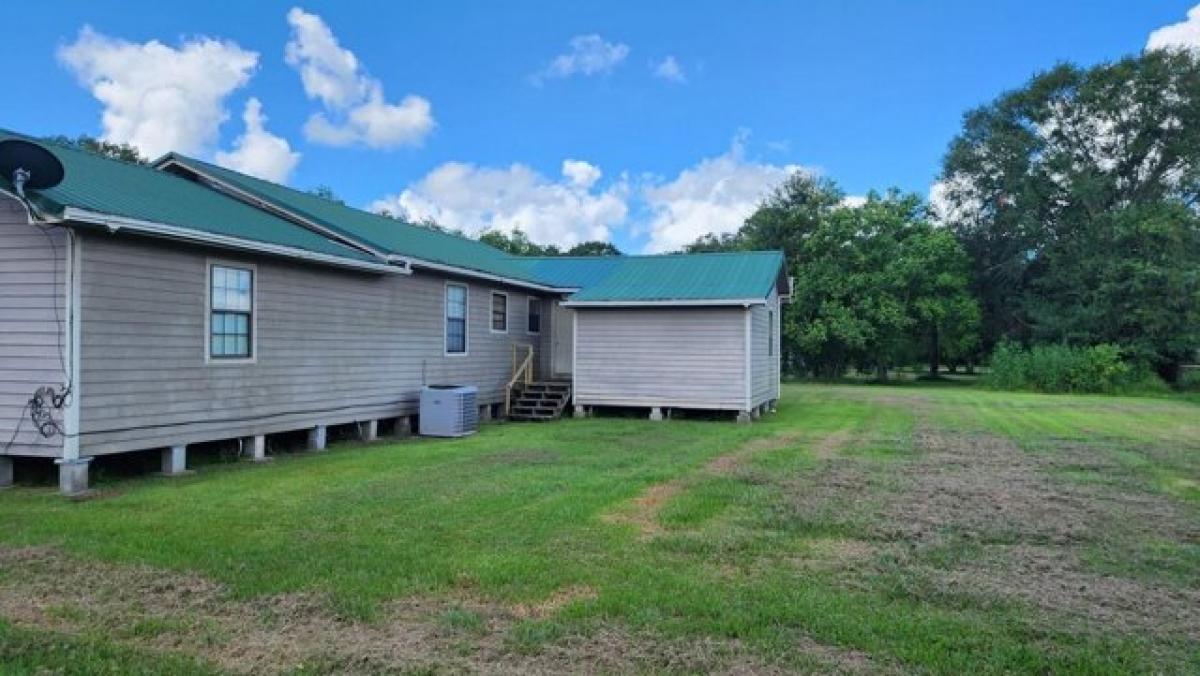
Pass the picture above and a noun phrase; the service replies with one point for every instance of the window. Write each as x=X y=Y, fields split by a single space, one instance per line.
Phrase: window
x=231 y=312
x=770 y=333
x=499 y=312
x=535 y=316
x=456 y=319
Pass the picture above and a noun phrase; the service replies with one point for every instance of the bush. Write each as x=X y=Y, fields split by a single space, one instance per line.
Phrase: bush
x=1189 y=381
x=1063 y=368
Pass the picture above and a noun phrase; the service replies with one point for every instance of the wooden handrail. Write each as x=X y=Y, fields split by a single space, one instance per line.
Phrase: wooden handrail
x=523 y=372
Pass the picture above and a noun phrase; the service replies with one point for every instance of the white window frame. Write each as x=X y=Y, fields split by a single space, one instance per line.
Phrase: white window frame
x=209 y=359
x=492 y=311
x=530 y=300
x=466 y=319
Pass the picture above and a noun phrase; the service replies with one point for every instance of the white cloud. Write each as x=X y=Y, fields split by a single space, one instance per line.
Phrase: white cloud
x=854 y=201
x=257 y=151
x=588 y=55
x=670 y=70
x=716 y=195
x=355 y=108
x=581 y=174
x=562 y=211
x=160 y=98
x=1182 y=35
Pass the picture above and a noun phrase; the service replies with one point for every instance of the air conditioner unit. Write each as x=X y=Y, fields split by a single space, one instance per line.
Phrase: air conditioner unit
x=449 y=410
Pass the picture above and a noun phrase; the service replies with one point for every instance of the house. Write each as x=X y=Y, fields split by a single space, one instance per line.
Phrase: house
x=157 y=307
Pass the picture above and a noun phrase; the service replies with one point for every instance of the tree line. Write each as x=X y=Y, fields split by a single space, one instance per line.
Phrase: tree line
x=1068 y=217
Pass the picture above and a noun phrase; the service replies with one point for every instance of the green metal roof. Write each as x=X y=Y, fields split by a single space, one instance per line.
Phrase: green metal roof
x=672 y=277
x=574 y=272
x=377 y=232
x=114 y=188
x=687 y=277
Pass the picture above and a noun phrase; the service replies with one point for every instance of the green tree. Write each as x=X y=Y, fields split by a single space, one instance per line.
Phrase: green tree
x=791 y=213
x=1046 y=169
x=1131 y=279
x=874 y=283
x=714 y=243
x=517 y=243
x=594 y=248
x=327 y=193
x=116 y=151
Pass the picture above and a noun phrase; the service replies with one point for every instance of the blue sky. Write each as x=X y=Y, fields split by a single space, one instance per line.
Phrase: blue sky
x=643 y=123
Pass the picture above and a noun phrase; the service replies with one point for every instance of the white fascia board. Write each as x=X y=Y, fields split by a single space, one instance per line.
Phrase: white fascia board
x=117 y=223
x=744 y=302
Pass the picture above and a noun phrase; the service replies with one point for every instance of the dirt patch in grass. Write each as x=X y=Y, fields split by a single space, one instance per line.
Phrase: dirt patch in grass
x=1054 y=580
x=643 y=510
x=556 y=602
x=986 y=488
x=837 y=554
x=830 y=445
x=976 y=515
x=166 y=611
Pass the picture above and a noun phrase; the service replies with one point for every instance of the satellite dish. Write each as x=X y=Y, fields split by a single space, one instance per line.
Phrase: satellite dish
x=29 y=165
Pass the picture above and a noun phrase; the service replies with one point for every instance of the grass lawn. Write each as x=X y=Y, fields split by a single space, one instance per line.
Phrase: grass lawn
x=916 y=528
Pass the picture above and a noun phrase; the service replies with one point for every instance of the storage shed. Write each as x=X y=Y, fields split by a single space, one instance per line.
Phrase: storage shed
x=674 y=331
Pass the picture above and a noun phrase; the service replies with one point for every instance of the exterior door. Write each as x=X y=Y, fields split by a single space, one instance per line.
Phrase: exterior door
x=562 y=327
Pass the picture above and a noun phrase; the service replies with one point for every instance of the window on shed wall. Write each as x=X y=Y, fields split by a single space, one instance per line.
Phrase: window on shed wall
x=456 y=319
x=499 y=312
x=230 y=322
x=535 y=316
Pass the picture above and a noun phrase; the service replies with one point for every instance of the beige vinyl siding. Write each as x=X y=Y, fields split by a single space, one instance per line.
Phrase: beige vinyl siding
x=764 y=358
x=30 y=288
x=331 y=346
x=680 y=357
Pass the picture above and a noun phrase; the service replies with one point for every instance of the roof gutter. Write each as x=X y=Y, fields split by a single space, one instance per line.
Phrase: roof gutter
x=725 y=302
x=118 y=223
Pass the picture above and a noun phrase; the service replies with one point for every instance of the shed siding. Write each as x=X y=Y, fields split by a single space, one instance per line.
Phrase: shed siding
x=764 y=360
x=681 y=357
x=332 y=347
x=32 y=284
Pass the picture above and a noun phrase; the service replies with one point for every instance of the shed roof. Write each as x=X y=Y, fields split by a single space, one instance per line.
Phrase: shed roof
x=679 y=278
x=100 y=185
x=378 y=232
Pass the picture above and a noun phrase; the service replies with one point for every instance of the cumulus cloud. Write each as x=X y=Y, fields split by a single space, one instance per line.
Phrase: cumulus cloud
x=581 y=174
x=159 y=98
x=563 y=211
x=257 y=151
x=716 y=195
x=588 y=55
x=356 y=112
x=669 y=69
x=1182 y=35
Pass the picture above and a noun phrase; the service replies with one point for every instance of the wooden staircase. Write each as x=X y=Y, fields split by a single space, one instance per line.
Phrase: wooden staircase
x=540 y=400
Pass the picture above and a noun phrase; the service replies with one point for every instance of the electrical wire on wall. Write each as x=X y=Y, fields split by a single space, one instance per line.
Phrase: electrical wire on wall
x=40 y=408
